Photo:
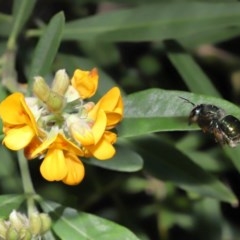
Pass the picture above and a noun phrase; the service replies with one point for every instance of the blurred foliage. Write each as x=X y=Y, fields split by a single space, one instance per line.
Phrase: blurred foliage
x=167 y=180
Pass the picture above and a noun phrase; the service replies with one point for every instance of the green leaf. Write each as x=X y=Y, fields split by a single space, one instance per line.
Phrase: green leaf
x=7 y=161
x=21 y=12
x=8 y=203
x=47 y=47
x=158 y=22
x=5 y=25
x=169 y=164
x=68 y=223
x=208 y=161
x=155 y=110
x=234 y=155
x=125 y=160
x=194 y=77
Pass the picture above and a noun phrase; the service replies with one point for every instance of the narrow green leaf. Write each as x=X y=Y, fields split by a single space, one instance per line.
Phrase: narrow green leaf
x=207 y=161
x=167 y=163
x=47 y=47
x=21 y=12
x=194 y=77
x=155 y=110
x=208 y=215
x=5 y=18
x=210 y=36
x=68 y=223
x=125 y=160
x=234 y=155
x=157 y=22
x=8 y=203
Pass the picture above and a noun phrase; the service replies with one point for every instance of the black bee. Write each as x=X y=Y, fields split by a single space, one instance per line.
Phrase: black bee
x=213 y=120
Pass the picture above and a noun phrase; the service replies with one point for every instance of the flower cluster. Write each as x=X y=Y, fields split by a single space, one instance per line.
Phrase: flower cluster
x=19 y=226
x=58 y=125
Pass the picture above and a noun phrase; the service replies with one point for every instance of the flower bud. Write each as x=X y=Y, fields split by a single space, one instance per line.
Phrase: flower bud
x=12 y=234
x=35 y=223
x=60 y=82
x=55 y=102
x=46 y=222
x=17 y=220
x=3 y=229
x=41 y=89
x=25 y=234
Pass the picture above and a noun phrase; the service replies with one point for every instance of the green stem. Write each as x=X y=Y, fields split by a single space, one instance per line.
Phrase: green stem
x=25 y=174
x=26 y=181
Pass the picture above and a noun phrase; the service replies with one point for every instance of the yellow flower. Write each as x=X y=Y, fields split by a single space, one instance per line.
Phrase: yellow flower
x=110 y=107
x=85 y=82
x=112 y=104
x=60 y=133
x=61 y=162
x=19 y=125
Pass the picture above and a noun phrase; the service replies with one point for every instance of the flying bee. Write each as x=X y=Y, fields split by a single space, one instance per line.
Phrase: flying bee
x=205 y=115
x=213 y=120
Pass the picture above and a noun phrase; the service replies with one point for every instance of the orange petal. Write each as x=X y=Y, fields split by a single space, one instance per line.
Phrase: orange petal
x=113 y=119
x=12 y=111
x=18 y=138
x=110 y=137
x=62 y=143
x=110 y=100
x=43 y=146
x=103 y=150
x=30 y=148
x=54 y=167
x=75 y=168
x=112 y=104
x=57 y=141
x=99 y=125
x=85 y=82
x=31 y=119
x=83 y=136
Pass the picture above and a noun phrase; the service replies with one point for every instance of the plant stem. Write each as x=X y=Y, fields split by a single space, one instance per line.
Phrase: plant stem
x=25 y=174
x=26 y=181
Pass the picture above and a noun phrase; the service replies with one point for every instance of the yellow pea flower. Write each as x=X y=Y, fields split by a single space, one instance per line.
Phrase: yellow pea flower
x=59 y=126
x=19 y=124
x=112 y=104
x=61 y=162
x=85 y=82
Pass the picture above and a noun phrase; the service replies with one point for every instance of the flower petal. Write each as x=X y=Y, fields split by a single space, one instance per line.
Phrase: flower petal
x=64 y=144
x=75 y=168
x=85 y=82
x=54 y=167
x=99 y=125
x=110 y=100
x=83 y=135
x=43 y=146
x=12 y=111
x=112 y=104
x=57 y=141
x=113 y=119
x=18 y=138
x=30 y=148
x=110 y=137
x=31 y=120
x=103 y=150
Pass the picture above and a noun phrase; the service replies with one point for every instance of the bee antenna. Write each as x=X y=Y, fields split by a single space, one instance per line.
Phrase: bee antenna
x=186 y=100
